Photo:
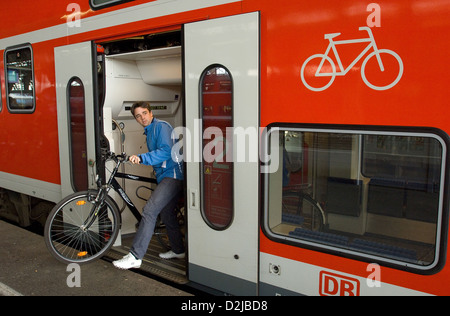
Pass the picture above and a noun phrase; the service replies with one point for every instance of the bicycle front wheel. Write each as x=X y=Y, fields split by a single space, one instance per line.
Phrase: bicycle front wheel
x=74 y=234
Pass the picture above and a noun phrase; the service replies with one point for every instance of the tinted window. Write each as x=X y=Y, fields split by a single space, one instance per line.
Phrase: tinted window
x=217 y=172
x=374 y=194
x=98 y=4
x=78 y=134
x=19 y=77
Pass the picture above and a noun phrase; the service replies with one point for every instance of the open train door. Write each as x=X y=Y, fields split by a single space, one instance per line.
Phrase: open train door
x=75 y=106
x=221 y=151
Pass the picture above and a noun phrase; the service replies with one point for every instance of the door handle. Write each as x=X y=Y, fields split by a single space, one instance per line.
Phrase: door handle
x=193 y=199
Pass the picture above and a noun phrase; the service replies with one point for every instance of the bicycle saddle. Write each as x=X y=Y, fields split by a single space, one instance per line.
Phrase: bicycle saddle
x=332 y=35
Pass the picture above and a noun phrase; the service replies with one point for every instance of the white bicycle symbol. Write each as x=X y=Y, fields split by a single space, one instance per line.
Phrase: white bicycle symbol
x=332 y=46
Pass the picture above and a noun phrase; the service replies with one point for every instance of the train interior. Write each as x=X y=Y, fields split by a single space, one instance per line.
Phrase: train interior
x=374 y=195
x=143 y=68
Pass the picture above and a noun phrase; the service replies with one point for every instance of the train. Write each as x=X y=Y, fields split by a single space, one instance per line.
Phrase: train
x=315 y=139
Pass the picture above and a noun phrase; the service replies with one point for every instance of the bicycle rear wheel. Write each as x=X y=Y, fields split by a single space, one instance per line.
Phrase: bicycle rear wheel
x=314 y=72
x=67 y=236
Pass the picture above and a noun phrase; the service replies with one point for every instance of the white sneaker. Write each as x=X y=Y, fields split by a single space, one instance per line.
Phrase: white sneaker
x=127 y=262
x=171 y=255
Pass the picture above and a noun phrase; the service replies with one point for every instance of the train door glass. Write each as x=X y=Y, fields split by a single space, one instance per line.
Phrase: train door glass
x=217 y=185
x=1 y=93
x=377 y=195
x=78 y=134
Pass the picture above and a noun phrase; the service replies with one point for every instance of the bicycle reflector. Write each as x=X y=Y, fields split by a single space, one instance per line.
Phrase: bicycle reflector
x=81 y=203
x=82 y=253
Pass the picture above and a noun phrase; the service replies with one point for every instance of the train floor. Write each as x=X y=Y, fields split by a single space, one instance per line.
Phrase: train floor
x=27 y=268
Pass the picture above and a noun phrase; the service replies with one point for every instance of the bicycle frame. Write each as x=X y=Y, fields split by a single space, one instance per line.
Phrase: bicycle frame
x=118 y=188
x=113 y=183
x=333 y=44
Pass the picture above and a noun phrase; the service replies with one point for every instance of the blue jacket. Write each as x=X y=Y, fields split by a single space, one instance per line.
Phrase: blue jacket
x=159 y=156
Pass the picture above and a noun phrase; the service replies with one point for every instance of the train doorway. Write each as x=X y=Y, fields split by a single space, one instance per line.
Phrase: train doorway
x=96 y=85
x=142 y=68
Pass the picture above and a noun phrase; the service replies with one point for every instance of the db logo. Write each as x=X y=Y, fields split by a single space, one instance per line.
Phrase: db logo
x=337 y=285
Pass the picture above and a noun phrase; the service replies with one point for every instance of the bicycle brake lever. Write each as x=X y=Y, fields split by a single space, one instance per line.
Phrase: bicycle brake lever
x=124 y=157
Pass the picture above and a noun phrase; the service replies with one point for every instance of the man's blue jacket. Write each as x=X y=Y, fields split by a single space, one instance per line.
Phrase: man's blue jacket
x=159 y=156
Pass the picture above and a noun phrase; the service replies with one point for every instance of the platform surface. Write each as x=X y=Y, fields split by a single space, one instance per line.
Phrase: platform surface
x=28 y=269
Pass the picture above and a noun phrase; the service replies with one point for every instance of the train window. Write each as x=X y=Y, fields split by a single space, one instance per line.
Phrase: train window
x=217 y=166
x=376 y=195
x=100 y=4
x=19 y=76
x=77 y=125
x=1 y=96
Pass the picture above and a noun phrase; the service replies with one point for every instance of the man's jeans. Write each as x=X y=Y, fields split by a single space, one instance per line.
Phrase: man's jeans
x=163 y=200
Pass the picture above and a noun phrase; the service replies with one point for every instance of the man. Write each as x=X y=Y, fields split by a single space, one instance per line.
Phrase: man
x=164 y=198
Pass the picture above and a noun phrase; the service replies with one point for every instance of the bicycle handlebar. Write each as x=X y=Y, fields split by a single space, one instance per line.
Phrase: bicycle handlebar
x=123 y=157
x=368 y=30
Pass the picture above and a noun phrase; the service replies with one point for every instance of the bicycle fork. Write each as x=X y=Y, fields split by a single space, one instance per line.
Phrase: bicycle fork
x=98 y=204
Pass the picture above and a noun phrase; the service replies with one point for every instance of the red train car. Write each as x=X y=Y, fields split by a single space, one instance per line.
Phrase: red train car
x=315 y=133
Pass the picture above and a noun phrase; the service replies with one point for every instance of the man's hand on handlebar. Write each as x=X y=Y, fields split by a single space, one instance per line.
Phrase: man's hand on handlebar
x=135 y=160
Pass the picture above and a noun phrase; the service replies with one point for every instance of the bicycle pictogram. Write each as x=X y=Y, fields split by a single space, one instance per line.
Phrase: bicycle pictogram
x=309 y=65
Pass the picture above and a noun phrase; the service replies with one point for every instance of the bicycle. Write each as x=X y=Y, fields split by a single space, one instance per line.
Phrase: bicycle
x=84 y=225
x=300 y=208
x=308 y=66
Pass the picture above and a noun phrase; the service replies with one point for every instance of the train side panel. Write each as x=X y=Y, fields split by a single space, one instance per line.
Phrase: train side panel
x=335 y=114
